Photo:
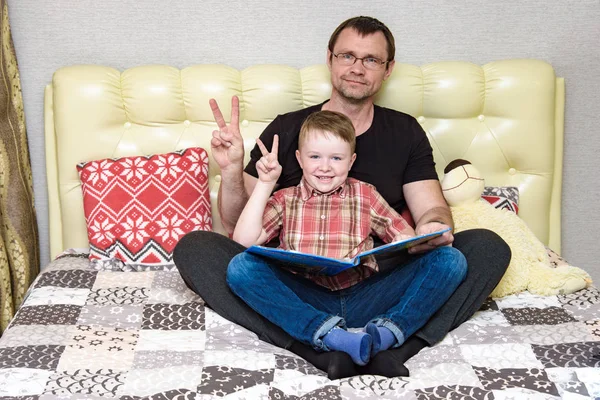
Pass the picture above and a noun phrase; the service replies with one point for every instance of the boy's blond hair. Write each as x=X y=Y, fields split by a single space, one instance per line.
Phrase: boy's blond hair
x=328 y=123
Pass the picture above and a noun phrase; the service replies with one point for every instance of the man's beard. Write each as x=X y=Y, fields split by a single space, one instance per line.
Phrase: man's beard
x=355 y=96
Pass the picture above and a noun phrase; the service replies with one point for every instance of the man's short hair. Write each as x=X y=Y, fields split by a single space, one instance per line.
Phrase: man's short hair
x=365 y=26
x=328 y=123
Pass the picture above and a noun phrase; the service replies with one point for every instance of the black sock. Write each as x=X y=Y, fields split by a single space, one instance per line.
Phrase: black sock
x=337 y=364
x=341 y=365
x=409 y=348
x=390 y=363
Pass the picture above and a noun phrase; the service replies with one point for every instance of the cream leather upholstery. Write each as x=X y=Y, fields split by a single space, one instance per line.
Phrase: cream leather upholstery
x=506 y=117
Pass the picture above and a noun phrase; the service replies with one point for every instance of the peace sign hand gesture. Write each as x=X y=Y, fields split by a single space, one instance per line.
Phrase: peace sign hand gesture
x=227 y=143
x=268 y=166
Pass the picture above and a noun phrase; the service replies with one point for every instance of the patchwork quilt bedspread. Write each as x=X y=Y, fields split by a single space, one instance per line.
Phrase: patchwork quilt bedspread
x=83 y=333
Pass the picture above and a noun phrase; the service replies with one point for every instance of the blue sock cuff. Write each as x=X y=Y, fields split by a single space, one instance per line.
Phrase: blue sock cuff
x=373 y=330
x=388 y=339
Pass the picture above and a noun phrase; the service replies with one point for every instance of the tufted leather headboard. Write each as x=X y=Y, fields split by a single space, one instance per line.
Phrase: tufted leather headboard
x=506 y=117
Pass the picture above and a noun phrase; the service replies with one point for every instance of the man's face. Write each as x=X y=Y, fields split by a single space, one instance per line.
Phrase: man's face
x=356 y=83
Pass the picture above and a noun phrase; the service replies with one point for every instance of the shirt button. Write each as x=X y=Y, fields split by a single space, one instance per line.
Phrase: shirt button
x=321 y=237
x=323 y=216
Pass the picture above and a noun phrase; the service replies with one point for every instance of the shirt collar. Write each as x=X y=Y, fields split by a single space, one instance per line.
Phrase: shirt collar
x=306 y=191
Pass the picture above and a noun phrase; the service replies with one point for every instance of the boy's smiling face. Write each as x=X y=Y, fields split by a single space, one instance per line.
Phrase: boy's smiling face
x=325 y=160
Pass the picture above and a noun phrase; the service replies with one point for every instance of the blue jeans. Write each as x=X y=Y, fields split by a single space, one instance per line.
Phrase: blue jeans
x=402 y=299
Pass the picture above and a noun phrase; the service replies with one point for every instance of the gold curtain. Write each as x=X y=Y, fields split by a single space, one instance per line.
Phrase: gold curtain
x=19 y=247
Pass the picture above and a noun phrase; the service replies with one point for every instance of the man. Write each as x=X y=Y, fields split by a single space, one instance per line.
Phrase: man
x=393 y=154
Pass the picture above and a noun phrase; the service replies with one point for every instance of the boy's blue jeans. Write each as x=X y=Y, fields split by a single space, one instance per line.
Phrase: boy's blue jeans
x=402 y=299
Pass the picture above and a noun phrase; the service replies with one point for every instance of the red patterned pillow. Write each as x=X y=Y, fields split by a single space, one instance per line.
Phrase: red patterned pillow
x=137 y=208
x=503 y=197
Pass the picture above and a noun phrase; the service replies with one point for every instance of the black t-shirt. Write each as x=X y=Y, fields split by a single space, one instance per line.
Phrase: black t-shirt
x=392 y=152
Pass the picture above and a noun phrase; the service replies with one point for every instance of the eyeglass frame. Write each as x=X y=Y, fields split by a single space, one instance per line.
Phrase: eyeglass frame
x=381 y=63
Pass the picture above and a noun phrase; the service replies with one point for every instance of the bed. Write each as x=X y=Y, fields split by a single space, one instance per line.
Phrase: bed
x=91 y=331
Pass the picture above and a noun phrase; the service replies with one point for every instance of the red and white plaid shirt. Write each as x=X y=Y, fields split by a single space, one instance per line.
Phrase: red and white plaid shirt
x=338 y=224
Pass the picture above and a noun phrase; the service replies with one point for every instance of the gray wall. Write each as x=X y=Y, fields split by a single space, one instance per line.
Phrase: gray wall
x=127 y=33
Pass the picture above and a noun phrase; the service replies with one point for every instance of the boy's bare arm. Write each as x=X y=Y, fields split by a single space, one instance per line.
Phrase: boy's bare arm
x=248 y=230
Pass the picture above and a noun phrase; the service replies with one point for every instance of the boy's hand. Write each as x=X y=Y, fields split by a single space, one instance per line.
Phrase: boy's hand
x=403 y=236
x=268 y=166
x=407 y=234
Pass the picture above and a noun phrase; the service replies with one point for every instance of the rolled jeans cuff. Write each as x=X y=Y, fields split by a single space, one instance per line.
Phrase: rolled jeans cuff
x=324 y=329
x=389 y=324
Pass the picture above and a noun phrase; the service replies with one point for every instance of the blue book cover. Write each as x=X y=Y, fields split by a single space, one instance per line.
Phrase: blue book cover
x=322 y=265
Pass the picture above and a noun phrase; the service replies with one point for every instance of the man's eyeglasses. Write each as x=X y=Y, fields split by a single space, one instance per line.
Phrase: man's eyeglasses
x=348 y=59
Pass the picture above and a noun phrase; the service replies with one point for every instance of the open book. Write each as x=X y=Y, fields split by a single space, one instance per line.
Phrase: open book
x=322 y=265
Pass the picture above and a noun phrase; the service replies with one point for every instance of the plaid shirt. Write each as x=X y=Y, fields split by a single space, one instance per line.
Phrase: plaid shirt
x=337 y=224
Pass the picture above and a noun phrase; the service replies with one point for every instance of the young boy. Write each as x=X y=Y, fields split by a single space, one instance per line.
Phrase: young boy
x=332 y=215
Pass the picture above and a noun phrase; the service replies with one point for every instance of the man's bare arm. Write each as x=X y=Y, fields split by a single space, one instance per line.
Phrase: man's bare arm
x=231 y=199
x=227 y=147
x=441 y=215
x=430 y=212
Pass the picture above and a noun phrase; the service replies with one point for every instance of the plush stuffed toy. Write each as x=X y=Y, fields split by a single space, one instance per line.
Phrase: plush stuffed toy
x=530 y=267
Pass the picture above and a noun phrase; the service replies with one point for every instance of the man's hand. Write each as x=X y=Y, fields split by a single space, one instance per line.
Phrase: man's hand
x=445 y=239
x=268 y=166
x=227 y=143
